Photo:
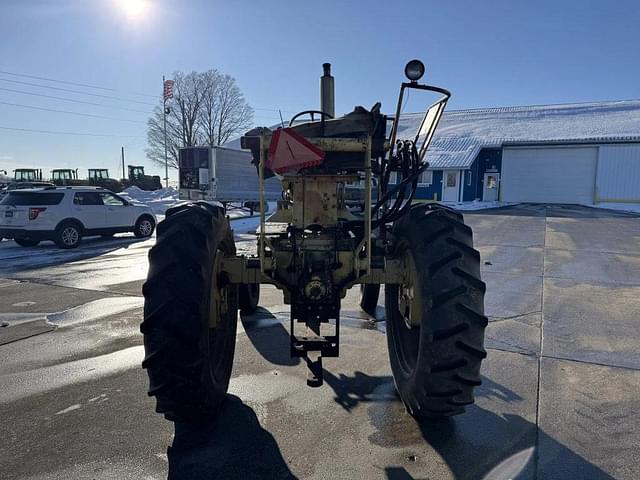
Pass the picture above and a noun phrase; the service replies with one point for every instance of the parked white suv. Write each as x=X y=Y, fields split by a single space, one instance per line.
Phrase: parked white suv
x=66 y=214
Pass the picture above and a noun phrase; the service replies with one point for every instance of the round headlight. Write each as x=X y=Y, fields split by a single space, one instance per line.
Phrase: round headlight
x=414 y=70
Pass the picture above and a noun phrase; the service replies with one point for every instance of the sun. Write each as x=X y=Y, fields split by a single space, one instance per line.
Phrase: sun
x=134 y=9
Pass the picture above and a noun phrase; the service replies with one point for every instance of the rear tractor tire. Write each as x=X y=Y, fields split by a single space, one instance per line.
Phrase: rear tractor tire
x=190 y=313
x=369 y=294
x=249 y=297
x=436 y=322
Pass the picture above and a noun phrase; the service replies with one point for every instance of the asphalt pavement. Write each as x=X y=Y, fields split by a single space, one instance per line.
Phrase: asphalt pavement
x=561 y=383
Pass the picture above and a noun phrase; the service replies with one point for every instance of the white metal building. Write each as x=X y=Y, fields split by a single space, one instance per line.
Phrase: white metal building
x=585 y=153
x=571 y=173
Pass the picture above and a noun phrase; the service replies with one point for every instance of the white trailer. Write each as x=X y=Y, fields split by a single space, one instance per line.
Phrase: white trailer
x=225 y=175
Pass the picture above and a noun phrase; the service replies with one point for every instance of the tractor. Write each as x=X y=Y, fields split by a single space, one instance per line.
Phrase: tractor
x=99 y=177
x=27 y=175
x=137 y=178
x=66 y=177
x=314 y=248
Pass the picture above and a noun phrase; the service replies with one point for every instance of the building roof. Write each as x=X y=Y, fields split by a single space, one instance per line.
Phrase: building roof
x=462 y=133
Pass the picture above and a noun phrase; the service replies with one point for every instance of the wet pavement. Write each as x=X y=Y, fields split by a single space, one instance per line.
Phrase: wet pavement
x=559 y=396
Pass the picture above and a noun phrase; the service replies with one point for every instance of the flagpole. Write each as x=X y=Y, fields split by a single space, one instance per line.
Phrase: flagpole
x=164 y=113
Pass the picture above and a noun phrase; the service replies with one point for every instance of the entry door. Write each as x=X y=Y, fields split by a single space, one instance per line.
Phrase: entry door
x=490 y=189
x=450 y=185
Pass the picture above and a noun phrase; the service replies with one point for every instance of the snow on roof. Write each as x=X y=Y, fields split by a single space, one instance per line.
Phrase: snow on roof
x=462 y=133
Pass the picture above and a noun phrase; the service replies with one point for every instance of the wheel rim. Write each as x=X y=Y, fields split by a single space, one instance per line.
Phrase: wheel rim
x=145 y=228
x=404 y=328
x=222 y=298
x=70 y=236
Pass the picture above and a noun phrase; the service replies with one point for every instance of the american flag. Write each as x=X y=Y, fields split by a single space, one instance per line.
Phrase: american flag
x=168 y=89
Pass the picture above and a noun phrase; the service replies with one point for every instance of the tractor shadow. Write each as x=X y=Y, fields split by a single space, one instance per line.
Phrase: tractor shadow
x=481 y=444
x=269 y=337
x=233 y=446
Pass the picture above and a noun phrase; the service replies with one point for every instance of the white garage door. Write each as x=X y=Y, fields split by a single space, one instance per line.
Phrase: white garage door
x=548 y=175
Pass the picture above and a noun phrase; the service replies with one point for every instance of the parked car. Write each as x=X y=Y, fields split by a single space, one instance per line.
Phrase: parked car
x=67 y=214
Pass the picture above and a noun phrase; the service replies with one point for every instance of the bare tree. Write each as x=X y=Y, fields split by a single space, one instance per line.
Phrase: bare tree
x=207 y=108
x=155 y=138
x=225 y=112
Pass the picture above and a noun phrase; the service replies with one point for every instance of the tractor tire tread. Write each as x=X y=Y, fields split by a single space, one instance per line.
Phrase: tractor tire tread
x=175 y=292
x=447 y=367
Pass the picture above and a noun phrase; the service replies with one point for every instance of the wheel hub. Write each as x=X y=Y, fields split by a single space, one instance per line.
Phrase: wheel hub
x=145 y=227
x=218 y=304
x=69 y=236
x=409 y=302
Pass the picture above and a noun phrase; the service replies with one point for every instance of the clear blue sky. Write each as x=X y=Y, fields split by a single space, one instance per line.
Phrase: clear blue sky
x=489 y=53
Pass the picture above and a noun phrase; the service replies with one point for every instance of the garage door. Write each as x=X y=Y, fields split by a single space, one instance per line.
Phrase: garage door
x=549 y=175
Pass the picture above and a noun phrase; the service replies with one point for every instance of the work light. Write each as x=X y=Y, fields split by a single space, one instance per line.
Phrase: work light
x=414 y=70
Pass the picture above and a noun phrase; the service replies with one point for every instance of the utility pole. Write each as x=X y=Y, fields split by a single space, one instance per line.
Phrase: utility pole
x=164 y=112
x=123 y=173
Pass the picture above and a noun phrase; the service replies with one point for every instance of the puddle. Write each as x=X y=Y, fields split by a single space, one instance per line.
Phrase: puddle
x=95 y=310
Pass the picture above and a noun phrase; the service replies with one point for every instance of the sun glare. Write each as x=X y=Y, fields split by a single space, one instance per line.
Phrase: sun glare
x=134 y=9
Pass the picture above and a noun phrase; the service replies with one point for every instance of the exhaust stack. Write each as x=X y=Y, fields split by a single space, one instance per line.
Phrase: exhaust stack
x=327 y=91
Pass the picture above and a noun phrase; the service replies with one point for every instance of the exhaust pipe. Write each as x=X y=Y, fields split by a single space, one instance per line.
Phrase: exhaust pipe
x=327 y=91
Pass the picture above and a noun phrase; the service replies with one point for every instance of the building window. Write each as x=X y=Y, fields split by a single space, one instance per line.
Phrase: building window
x=469 y=178
x=426 y=178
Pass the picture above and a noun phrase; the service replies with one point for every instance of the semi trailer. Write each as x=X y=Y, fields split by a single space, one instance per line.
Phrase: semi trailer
x=224 y=175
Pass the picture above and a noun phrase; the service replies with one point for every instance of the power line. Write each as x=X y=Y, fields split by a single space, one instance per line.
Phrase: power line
x=70 y=113
x=53 y=132
x=73 y=83
x=273 y=110
x=76 y=91
x=74 y=101
x=65 y=82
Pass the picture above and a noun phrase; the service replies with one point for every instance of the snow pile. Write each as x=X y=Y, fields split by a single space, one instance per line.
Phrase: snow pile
x=165 y=198
x=158 y=200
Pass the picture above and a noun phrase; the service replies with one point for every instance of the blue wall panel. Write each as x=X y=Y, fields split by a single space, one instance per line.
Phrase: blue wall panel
x=488 y=160
x=428 y=192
